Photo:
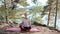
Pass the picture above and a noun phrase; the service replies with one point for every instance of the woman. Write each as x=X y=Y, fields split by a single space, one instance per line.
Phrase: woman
x=25 y=25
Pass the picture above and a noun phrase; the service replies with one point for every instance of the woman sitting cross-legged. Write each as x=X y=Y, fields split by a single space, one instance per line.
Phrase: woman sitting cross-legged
x=25 y=25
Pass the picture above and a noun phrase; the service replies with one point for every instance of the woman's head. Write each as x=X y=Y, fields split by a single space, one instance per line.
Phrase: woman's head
x=25 y=14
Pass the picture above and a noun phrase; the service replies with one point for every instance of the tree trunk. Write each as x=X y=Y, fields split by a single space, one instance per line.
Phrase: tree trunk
x=49 y=15
x=56 y=13
x=5 y=10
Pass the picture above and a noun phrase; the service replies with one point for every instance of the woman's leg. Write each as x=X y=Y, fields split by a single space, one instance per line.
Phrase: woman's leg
x=21 y=28
x=27 y=29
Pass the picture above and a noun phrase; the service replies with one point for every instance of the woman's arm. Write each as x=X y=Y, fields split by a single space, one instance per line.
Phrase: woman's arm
x=21 y=23
x=29 y=23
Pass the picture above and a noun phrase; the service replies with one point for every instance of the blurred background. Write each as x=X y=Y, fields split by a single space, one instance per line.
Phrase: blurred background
x=46 y=12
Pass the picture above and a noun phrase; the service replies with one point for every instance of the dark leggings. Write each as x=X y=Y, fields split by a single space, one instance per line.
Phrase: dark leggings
x=25 y=28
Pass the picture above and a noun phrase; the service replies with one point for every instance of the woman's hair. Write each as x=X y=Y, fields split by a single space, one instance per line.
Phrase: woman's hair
x=25 y=13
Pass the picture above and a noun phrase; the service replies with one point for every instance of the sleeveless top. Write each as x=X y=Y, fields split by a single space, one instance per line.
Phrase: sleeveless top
x=26 y=22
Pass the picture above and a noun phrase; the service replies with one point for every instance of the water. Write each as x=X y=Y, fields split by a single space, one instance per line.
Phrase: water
x=45 y=20
x=58 y=24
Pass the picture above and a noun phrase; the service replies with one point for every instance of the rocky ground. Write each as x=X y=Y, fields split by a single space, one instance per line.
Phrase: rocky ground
x=43 y=30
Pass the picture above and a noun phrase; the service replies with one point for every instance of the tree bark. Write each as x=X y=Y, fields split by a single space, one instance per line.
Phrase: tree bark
x=49 y=14
x=56 y=13
x=5 y=10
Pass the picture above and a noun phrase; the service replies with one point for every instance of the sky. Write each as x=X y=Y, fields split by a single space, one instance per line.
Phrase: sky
x=1 y=3
x=43 y=2
x=38 y=1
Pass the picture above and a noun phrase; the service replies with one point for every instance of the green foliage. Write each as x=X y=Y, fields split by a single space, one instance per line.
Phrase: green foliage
x=1 y=18
x=37 y=9
x=23 y=3
x=38 y=19
x=13 y=14
x=2 y=10
x=50 y=1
